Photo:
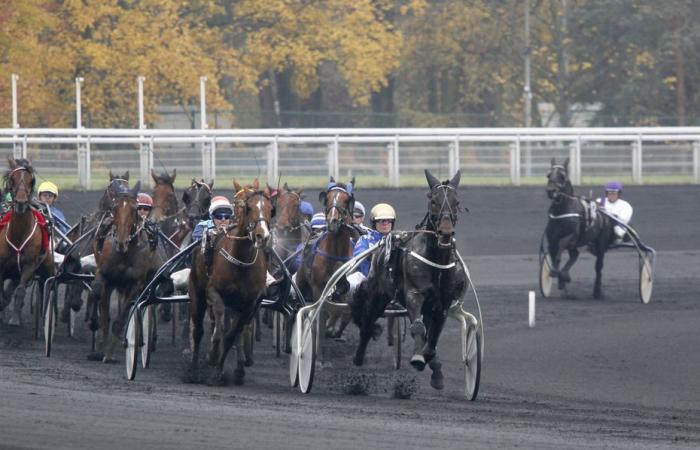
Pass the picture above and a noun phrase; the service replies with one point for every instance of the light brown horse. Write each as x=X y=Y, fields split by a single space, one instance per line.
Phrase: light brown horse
x=323 y=256
x=289 y=228
x=126 y=261
x=24 y=243
x=235 y=280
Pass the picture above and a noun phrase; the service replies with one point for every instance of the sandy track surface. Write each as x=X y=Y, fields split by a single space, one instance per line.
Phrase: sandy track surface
x=593 y=373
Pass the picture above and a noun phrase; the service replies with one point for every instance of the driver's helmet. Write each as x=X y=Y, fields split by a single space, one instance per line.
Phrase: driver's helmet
x=306 y=208
x=144 y=200
x=359 y=209
x=382 y=211
x=613 y=186
x=318 y=221
x=220 y=204
x=48 y=186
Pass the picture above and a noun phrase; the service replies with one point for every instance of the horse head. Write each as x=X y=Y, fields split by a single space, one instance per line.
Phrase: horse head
x=116 y=183
x=19 y=180
x=443 y=206
x=197 y=198
x=164 y=200
x=339 y=201
x=558 y=179
x=125 y=221
x=287 y=203
x=254 y=211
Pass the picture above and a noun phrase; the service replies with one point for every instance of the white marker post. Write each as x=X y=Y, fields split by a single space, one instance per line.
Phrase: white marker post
x=531 y=309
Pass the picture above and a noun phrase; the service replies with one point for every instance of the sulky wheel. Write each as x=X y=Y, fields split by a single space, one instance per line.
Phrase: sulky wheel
x=646 y=277
x=131 y=343
x=397 y=332
x=294 y=355
x=471 y=357
x=546 y=281
x=148 y=327
x=49 y=320
x=277 y=332
x=37 y=308
x=307 y=354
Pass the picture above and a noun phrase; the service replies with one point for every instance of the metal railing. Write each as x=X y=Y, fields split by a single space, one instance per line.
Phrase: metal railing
x=378 y=157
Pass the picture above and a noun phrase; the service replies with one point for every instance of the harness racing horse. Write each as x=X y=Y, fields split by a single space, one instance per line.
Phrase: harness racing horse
x=235 y=280
x=322 y=256
x=24 y=240
x=420 y=271
x=572 y=224
x=126 y=261
x=196 y=199
x=165 y=207
x=289 y=230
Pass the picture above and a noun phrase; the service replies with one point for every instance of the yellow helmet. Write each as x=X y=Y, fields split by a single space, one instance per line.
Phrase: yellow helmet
x=48 y=186
x=382 y=211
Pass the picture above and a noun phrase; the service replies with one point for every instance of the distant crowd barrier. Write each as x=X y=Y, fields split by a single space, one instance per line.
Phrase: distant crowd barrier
x=381 y=157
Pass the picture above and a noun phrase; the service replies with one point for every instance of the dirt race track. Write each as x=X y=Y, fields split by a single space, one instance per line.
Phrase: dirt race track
x=610 y=373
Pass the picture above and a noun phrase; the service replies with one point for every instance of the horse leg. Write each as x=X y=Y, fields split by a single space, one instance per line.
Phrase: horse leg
x=103 y=320
x=3 y=297
x=218 y=312
x=198 y=307
x=434 y=329
x=597 y=287
x=18 y=298
x=564 y=276
x=555 y=256
x=414 y=303
x=234 y=335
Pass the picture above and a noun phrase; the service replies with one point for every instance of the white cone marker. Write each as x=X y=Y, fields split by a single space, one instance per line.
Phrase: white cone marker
x=531 y=309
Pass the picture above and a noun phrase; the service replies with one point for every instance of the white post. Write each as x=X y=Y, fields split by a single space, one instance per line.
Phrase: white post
x=575 y=161
x=393 y=162
x=637 y=161
x=696 y=161
x=333 y=169
x=15 y=124
x=515 y=162
x=17 y=146
x=453 y=156
x=145 y=148
x=83 y=146
x=78 y=105
x=531 y=309
x=206 y=147
x=272 y=161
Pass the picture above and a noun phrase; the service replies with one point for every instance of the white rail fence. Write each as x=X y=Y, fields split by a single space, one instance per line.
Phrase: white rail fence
x=377 y=157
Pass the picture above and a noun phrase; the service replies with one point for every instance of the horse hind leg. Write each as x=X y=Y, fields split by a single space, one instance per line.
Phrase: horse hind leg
x=17 y=305
x=598 y=286
x=366 y=309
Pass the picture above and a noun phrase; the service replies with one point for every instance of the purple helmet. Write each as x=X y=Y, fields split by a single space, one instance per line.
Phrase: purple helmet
x=613 y=186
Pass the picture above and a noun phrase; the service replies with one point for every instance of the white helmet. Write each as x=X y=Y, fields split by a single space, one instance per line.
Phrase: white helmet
x=219 y=202
x=382 y=211
x=359 y=208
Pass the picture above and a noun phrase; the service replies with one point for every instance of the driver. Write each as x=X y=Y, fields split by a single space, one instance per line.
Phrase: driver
x=614 y=205
x=382 y=218
x=48 y=194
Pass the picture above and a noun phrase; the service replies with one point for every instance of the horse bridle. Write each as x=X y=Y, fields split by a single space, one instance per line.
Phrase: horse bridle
x=21 y=183
x=436 y=218
x=243 y=196
x=197 y=200
x=299 y=224
x=344 y=212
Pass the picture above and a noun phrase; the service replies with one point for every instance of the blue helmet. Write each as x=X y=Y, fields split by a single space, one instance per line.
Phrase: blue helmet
x=613 y=186
x=306 y=208
x=318 y=220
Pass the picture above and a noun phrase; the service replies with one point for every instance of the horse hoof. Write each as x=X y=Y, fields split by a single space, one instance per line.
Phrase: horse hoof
x=76 y=304
x=14 y=321
x=95 y=356
x=358 y=360
x=238 y=376
x=249 y=361
x=217 y=379
x=437 y=381
x=418 y=362
x=376 y=331
x=109 y=360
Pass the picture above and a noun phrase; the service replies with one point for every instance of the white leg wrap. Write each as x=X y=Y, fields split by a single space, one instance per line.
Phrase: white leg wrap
x=354 y=279
x=619 y=231
x=270 y=279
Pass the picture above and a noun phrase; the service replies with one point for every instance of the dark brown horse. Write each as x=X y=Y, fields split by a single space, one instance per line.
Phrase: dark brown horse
x=24 y=240
x=289 y=229
x=235 y=279
x=321 y=257
x=165 y=207
x=422 y=274
x=196 y=199
x=126 y=261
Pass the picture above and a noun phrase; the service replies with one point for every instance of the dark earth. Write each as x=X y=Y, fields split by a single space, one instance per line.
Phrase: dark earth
x=611 y=373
